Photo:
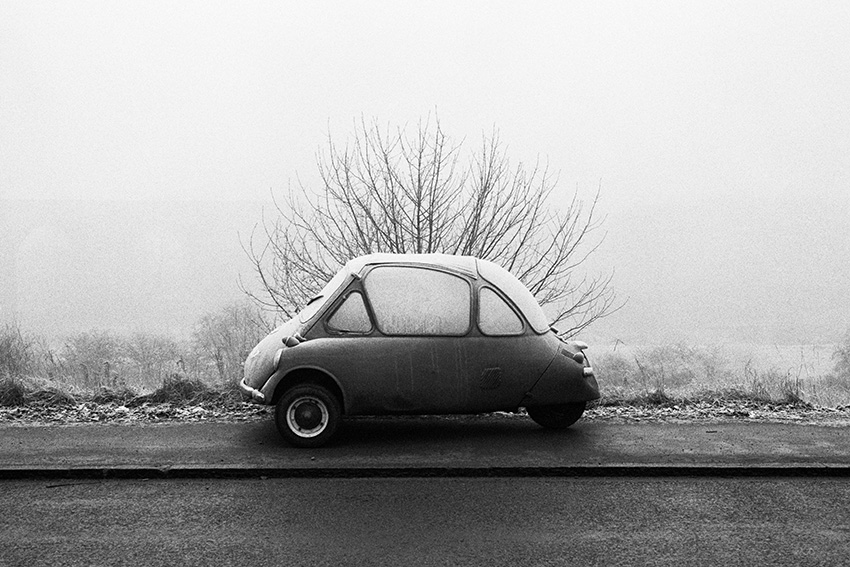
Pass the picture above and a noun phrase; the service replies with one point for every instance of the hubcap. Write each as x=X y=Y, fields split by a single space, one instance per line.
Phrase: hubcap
x=307 y=416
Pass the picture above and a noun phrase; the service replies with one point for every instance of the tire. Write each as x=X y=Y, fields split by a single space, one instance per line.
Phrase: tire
x=557 y=416
x=307 y=415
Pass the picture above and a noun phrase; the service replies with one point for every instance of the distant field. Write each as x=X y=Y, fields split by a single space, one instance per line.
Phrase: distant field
x=779 y=372
x=811 y=360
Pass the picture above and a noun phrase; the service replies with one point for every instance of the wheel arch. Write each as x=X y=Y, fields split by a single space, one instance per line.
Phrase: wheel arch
x=310 y=375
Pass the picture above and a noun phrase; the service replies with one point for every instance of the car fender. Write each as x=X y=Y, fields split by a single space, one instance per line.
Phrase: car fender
x=289 y=374
x=565 y=380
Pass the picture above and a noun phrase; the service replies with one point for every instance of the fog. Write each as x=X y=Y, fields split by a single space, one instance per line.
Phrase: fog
x=139 y=141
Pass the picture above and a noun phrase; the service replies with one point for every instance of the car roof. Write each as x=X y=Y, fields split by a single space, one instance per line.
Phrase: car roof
x=464 y=264
x=468 y=265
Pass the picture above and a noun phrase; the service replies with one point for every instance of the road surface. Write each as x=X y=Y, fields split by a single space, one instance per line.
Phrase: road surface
x=427 y=521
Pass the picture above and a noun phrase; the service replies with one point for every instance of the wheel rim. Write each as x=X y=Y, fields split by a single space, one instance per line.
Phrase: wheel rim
x=307 y=416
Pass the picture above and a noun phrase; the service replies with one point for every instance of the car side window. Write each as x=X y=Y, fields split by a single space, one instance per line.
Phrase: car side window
x=351 y=316
x=418 y=301
x=495 y=316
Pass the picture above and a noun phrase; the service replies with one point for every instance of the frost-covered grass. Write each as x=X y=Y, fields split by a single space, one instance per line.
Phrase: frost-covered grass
x=178 y=391
x=98 y=365
x=811 y=374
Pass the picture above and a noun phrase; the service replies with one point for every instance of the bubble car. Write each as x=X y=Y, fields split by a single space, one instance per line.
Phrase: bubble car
x=396 y=334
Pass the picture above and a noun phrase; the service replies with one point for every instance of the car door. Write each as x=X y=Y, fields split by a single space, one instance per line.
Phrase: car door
x=505 y=357
x=417 y=351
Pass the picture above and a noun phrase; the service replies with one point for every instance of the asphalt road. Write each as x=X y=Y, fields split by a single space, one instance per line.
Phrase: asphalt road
x=479 y=445
x=556 y=521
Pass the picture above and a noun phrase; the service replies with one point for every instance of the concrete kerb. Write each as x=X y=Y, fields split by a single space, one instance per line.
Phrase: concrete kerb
x=577 y=471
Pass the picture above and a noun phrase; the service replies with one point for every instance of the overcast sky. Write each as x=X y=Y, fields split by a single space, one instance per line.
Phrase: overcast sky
x=719 y=132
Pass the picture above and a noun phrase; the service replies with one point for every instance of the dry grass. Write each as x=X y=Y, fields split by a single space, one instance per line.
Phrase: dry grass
x=106 y=368
x=681 y=373
x=103 y=366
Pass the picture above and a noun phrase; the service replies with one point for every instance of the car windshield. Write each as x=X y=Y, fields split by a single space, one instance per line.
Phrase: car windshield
x=317 y=301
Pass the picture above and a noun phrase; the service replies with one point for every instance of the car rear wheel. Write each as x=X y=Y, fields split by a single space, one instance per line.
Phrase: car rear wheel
x=557 y=416
x=307 y=415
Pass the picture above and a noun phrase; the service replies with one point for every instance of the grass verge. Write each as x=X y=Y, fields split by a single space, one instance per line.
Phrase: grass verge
x=184 y=400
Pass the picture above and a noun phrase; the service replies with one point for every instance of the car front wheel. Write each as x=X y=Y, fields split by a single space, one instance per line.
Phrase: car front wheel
x=557 y=416
x=307 y=415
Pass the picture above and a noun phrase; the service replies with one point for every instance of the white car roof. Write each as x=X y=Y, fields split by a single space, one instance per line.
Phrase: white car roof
x=476 y=268
x=465 y=264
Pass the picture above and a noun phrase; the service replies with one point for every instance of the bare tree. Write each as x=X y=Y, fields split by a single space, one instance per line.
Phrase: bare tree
x=387 y=191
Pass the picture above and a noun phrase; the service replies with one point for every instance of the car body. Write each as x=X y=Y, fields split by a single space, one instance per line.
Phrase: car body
x=417 y=334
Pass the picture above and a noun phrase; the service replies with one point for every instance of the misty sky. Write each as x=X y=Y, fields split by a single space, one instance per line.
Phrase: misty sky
x=718 y=131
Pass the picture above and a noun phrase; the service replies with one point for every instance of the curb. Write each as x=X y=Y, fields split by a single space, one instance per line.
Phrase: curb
x=578 y=471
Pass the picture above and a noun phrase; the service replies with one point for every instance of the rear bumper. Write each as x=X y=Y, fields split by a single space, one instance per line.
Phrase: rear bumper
x=564 y=381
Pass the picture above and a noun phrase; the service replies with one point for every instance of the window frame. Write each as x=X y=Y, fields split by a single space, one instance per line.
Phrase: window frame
x=471 y=299
x=517 y=294
x=331 y=330
x=519 y=315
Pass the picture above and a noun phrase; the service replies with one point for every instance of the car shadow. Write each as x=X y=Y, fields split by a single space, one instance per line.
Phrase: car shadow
x=486 y=432
x=490 y=440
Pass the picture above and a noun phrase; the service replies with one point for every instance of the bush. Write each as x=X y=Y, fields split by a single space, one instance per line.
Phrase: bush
x=99 y=360
x=660 y=368
x=177 y=389
x=17 y=351
x=757 y=382
x=93 y=358
x=51 y=396
x=150 y=358
x=618 y=370
x=120 y=395
x=12 y=392
x=841 y=356
x=224 y=339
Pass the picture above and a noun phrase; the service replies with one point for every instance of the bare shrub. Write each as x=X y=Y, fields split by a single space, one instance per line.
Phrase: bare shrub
x=152 y=357
x=841 y=357
x=678 y=366
x=94 y=358
x=775 y=385
x=757 y=383
x=618 y=370
x=657 y=398
x=52 y=395
x=791 y=389
x=12 y=392
x=99 y=360
x=836 y=382
x=121 y=395
x=17 y=351
x=223 y=340
x=176 y=389
x=397 y=192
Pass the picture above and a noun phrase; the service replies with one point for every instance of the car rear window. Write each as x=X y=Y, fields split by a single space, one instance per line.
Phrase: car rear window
x=517 y=292
x=418 y=301
x=495 y=317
